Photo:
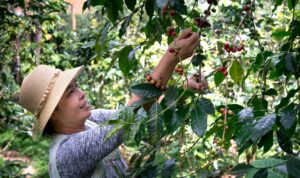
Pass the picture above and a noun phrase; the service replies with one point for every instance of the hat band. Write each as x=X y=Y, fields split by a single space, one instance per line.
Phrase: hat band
x=46 y=94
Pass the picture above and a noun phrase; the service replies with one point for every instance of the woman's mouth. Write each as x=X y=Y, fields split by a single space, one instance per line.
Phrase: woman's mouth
x=85 y=105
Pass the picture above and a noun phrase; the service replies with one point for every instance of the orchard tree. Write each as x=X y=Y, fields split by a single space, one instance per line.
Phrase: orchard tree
x=249 y=51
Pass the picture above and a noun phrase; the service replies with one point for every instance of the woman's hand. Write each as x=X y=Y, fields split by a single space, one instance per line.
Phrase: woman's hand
x=196 y=83
x=185 y=43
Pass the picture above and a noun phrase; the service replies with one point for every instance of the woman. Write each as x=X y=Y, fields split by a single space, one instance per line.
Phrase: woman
x=78 y=148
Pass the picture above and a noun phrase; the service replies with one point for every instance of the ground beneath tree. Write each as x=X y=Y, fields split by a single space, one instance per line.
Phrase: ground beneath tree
x=13 y=155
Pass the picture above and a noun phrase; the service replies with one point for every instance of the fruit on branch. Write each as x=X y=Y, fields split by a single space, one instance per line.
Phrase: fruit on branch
x=240 y=47
x=231 y=48
x=202 y=23
x=148 y=77
x=226 y=111
x=164 y=10
x=207 y=12
x=223 y=70
x=179 y=70
x=246 y=8
x=172 y=50
x=230 y=112
x=170 y=31
x=172 y=13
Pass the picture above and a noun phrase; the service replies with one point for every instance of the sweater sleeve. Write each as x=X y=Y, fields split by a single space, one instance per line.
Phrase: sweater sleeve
x=78 y=155
x=101 y=115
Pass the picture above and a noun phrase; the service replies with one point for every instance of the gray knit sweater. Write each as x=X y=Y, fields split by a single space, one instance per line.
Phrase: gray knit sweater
x=78 y=154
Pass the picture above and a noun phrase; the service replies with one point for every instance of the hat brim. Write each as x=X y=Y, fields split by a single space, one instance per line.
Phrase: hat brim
x=56 y=93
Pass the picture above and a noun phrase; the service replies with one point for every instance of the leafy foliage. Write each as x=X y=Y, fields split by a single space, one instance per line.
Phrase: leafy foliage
x=255 y=107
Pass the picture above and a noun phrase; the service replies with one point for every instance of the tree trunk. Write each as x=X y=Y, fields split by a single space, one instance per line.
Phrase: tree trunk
x=73 y=16
x=37 y=39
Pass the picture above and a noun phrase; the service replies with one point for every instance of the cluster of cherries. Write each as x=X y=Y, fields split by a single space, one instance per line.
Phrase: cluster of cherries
x=226 y=111
x=231 y=48
x=165 y=11
x=171 y=32
x=179 y=70
x=223 y=70
x=202 y=23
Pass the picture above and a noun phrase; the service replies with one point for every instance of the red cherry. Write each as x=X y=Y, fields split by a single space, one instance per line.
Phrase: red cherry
x=172 y=13
x=165 y=10
x=225 y=73
x=171 y=50
x=207 y=12
x=222 y=69
x=234 y=49
x=226 y=45
x=170 y=31
x=246 y=8
x=174 y=34
x=240 y=47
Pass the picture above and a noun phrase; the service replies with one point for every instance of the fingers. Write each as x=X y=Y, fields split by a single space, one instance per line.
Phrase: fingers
x=185 y=33
x=196 y=83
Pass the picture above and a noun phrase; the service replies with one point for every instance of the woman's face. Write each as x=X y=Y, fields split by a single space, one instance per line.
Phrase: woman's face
x=72 y=109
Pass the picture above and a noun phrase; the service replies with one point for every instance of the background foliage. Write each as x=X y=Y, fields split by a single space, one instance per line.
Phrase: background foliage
x=247 y=123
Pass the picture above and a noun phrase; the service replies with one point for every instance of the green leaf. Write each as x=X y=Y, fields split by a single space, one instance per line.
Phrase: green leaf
x=258 y=104
x=94 y=3
x=174 y=118
x=112 y=11
x=130 y=4
x=266 y=141
x=197 y=59
x=260 y=59
x=288 y=117
x=198 y=120
x=241 y=169
x=139 y=129
x=149 y=6
x=284 y=138
x=179 y=20
x=262 y=126
x=293 y=167
x=290 y=63
x=113 y=131
x=272 y=173
x=218 y=78
x=236 y=72
x=179 y=6
x=284 y=101
x=277 y=3
x=168 y=168
x=155 y=126
x=292 y=4
x=170 y=96
x=125 y=63
x=268 y=162
x=270 y=92
x=261 y=173
x=124 y=25
x=207 y=106
x=146 y=90
x=280 y=34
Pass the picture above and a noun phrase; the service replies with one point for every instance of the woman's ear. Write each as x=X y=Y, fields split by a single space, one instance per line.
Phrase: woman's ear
x=55 y=113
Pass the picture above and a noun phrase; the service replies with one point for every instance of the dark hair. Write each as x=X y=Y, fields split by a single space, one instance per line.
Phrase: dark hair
x=48 y=130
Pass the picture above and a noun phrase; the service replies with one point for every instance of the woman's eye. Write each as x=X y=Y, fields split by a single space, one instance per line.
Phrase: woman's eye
x=70 y=92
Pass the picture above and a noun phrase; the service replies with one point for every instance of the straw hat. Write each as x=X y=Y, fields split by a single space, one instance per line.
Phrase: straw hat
x=41 y=91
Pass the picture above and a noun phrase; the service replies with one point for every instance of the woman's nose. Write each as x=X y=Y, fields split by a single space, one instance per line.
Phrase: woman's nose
x=82 y=94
